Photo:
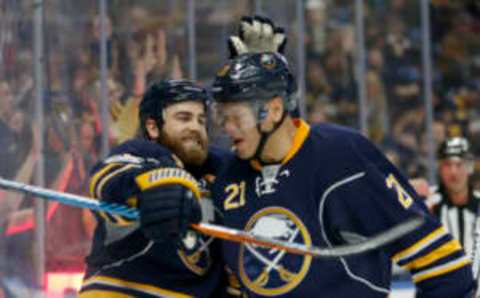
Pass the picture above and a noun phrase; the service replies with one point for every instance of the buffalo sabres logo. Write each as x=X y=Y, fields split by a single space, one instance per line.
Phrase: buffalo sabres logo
x=195 y=253
x=268 y=61
x=271 y=272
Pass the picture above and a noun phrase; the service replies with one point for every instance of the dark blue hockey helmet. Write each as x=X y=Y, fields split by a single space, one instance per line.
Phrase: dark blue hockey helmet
x=166 y=92
x=254 y=77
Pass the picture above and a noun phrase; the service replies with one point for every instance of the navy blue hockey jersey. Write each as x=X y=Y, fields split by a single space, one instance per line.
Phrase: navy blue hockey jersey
x=334 y=187
x=122 y=258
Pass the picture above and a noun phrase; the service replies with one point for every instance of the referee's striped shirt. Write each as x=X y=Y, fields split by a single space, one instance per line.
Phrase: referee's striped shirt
x=458 y=220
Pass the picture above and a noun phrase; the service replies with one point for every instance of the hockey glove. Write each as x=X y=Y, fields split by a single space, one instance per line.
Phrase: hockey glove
x=255 y=35
x=168 y=203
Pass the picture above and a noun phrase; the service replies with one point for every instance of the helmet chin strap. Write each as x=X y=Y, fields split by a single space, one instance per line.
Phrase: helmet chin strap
x=264 y=136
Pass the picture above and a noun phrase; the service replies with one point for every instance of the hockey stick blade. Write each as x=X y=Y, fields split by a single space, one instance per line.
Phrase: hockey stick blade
x=221 y=231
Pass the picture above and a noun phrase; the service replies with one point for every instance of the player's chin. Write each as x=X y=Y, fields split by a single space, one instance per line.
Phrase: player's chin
x=194 y=154
x=243 y=153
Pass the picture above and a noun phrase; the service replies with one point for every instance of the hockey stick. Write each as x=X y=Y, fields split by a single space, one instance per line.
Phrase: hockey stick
x=221 y=231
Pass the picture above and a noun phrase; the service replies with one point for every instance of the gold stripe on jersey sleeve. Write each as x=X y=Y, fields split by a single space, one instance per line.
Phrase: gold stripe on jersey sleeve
x=103 y=294
x=419 y=245
x=104 y=216
x=121 y=221
x=104 y=180
x=135 y=286
x=442 y=251
x=116 y=220
x=99 y=174
x=441 y=269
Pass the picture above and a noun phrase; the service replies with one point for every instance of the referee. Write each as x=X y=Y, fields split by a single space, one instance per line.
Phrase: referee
x=454 y=200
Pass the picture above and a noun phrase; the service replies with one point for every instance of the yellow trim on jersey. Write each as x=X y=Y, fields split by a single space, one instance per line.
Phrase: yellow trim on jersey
x=116 y=220
x=130 y=285
x=303 y=129
x=419 y=245
x=300 y=137
x=104 y=180
x=119 y=220
x=441 y=269
x=98 y=175
x=102 y=294
x=104 y=216
x=442 y=251
x=132 y=202
x=166 y=176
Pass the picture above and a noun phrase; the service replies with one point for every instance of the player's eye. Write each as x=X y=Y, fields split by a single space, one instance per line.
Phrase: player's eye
x=202 y=120
x=183 y=117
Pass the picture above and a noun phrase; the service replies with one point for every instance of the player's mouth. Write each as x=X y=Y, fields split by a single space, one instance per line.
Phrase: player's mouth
x=195 y=141
x=237 y=143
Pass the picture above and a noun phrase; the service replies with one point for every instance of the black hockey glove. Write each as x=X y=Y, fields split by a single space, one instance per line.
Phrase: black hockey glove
x=257 y=34
x=168 y=203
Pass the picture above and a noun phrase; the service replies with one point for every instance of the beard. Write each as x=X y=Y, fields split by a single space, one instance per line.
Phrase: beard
x=190 y=148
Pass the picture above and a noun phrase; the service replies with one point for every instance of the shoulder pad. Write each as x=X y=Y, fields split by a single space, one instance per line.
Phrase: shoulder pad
x=139 y=151
x=124 y=158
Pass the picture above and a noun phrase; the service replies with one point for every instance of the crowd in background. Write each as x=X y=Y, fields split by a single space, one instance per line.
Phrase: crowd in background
x=147 y=41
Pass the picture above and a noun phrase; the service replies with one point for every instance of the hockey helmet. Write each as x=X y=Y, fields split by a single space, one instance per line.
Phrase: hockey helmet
x=255 y=77
x=166 y=92
x=454 y=147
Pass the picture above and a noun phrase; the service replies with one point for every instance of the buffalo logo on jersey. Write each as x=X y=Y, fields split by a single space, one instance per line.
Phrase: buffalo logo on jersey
x=271 y=272
x=195 y=253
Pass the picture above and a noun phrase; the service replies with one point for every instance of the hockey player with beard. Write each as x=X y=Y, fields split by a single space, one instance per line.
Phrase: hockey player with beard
x=323 y=186
x=157 y=256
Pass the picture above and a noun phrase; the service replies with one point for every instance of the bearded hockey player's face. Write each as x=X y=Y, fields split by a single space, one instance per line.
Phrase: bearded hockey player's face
x=184 y=131
x=240 y=123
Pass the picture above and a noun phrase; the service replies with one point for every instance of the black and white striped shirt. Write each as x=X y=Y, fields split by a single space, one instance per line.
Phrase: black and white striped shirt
x=458 y=220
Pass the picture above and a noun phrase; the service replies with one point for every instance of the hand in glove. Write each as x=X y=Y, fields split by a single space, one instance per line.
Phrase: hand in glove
x=168 y=203
x=255 y=35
